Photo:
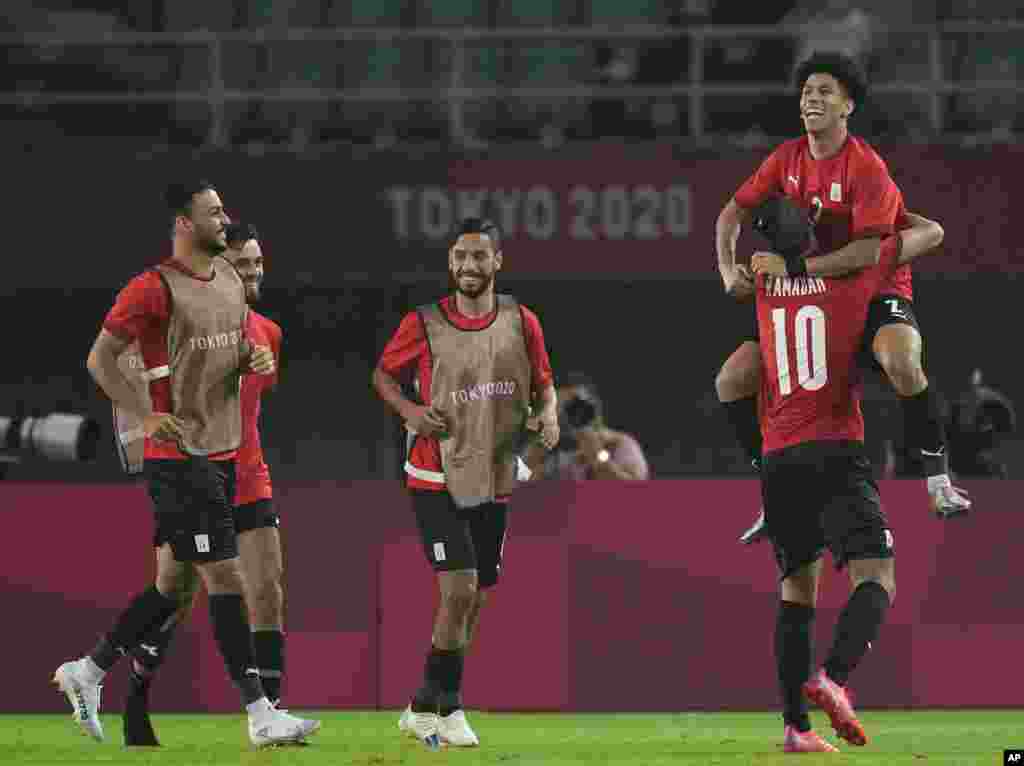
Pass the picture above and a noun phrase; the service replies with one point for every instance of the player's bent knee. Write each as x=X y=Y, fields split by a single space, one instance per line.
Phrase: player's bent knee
x=739 y=376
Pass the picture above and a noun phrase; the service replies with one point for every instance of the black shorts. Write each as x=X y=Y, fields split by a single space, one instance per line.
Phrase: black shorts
x=884 y=309
x=461 y=538
x=258 y=514
x=822 y=495
x=192 y=503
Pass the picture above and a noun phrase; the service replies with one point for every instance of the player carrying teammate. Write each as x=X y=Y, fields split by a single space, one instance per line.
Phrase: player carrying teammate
x=817 y=481
x=843 y=176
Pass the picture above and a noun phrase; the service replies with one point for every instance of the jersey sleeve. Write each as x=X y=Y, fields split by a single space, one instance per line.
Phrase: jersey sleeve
x=766 y=182
x=403 y=351
x=877 y=203
x=539 y=360
x=140 y=305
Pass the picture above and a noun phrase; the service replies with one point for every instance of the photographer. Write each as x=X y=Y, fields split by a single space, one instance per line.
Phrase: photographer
x=587 y=449
x=980 y=418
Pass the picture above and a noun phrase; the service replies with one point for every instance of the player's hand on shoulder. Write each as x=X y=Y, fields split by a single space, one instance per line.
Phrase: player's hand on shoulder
x=739 y=283
x=772 y=264
x=261 y=360
x=426 y=421
x=163 y=426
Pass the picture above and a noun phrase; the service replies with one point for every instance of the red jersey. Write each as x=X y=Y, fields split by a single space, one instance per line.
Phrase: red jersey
x=407 y=357
x=858 y=196
x=142 y=313
x=253 y=474
x=811 y=331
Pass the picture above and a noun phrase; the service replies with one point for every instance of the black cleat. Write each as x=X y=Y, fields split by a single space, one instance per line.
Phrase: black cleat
x=138 y=729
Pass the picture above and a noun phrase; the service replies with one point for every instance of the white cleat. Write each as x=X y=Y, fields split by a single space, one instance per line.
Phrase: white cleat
x=277 y=727
x=456 y=731
x=405 y=722
x=421 y=726
x=84 y=696
x=947 y=501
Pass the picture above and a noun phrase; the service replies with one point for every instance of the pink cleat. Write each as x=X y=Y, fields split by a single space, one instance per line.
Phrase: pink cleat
x=805 y=742
x=833 y=699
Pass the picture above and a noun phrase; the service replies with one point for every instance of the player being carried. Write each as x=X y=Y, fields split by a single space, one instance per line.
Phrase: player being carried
x=842 y=179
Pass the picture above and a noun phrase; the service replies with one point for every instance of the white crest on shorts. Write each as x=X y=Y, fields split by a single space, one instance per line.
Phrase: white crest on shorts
x=888 y=539
x=203 y=543
x=439 y=554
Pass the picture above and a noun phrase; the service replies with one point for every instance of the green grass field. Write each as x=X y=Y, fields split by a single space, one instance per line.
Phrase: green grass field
x=923 y=738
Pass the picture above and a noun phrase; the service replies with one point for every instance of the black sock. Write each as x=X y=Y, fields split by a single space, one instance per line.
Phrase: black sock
x=428 y=697
x=452 y=664
x=925 y=433
x=794 y=656
x=148 y=610
x=268 y=649
x=231 y=630
x=149 y=654
x=742 y=416
x=857 y=627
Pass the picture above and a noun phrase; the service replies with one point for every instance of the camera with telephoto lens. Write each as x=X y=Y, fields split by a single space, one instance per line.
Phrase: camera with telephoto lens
x=580 y=412
x=59 y=436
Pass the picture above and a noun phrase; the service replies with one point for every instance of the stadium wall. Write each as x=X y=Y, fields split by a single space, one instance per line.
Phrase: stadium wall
x=613 y=597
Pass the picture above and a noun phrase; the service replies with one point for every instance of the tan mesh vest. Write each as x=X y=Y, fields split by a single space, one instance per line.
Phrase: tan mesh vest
x=131 y=438
x=204 y=345
x=481 y=382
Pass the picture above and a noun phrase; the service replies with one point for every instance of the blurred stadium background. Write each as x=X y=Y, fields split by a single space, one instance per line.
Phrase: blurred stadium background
x=603 y=136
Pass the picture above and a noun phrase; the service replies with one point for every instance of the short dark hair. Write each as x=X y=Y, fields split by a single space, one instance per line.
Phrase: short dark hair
x=179 y=195
x=238 y=233
x=844 y=68
x=480 y=226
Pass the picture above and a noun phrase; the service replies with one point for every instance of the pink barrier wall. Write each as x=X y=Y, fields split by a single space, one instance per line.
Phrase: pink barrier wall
x=613 y=597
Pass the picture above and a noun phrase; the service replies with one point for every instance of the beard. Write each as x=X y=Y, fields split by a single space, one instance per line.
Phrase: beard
x=483 y=282
x=211 y=245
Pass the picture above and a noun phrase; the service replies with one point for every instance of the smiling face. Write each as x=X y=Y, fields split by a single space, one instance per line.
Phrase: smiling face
x=824 y=104
x=473 y=262
x=248 y=261
x=206 y=223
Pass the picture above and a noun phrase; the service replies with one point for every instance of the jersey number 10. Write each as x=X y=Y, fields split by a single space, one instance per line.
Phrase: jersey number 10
x=809 y=336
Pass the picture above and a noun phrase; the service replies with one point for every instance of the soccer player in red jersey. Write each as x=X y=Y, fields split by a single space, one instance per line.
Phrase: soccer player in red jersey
x=859 y=204
x=189 y=410
x=482 y=375
x=817 y=483
x=256 y=522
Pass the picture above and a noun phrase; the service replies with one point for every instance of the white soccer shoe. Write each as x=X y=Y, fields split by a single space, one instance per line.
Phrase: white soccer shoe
x=276 y=727
x=422 y=726
x=84 y=696
x=456 y=731
x=947 y=501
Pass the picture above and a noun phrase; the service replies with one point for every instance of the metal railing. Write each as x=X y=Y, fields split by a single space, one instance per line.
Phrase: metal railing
x=695 y=89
